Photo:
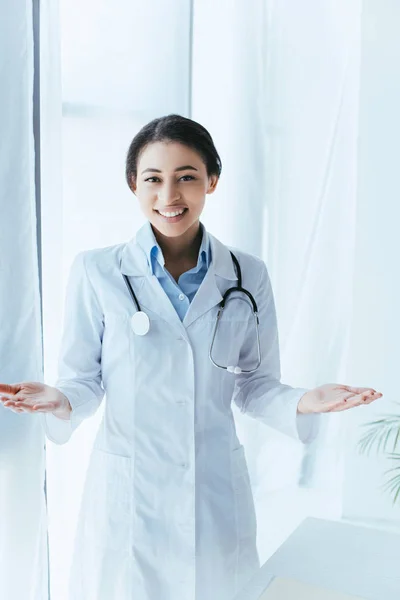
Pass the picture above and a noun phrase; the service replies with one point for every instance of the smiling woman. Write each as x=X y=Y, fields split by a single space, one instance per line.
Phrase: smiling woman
x=174 y=517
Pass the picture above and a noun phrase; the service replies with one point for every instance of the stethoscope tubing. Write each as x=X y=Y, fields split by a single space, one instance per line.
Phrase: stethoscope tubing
x=239 y=288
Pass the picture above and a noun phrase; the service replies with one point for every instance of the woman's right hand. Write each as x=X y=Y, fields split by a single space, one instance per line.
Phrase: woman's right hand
x=33 y=397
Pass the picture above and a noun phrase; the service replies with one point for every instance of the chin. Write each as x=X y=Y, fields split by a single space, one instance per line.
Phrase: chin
x=171 y=230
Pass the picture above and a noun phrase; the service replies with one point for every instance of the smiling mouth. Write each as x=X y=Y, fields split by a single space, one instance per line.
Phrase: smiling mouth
x=172 y=214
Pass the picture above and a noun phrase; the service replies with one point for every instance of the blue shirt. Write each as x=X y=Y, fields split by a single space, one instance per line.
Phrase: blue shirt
x=182 y=293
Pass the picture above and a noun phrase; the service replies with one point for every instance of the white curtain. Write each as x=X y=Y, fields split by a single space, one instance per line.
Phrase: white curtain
x=277 y=85
x=23 y=541
x=105 y=78
x=375 y=330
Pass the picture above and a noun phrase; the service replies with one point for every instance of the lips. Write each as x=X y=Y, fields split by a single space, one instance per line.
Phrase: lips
x=170 y=209
x=175 y=218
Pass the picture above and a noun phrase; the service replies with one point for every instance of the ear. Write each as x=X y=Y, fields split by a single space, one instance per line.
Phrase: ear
x=133 y=185
x=213 y=181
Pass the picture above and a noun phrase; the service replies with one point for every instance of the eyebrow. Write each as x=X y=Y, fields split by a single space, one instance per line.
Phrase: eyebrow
x=184 y=168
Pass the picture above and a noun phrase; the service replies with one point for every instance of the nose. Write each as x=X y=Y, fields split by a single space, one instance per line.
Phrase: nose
x=168 y=193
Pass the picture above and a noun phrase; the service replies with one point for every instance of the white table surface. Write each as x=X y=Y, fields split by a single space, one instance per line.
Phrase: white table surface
x=335 y=555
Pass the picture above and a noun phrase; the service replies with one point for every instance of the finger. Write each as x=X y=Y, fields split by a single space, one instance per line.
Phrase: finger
x=15 y=410
x=345 y=400
x=363 y=396
x=28 y=408
x=43 y=407
x=373 y=397
x=47 y=407
x=7 y=397
x=359 y=390
x=347 y=397
x=21 y=400
x=13 y=402
x=14 y=406
x=348 y=401
x=357 y=400
x=20 y=403
x=12 y=398
x=32 y=407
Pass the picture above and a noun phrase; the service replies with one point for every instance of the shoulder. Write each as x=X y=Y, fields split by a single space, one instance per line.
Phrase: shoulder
x=101 y=259
x=254 y=269
x=246 y=259
x=243 y=257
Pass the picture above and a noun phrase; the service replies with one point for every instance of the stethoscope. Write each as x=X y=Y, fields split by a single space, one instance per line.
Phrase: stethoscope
x=140 y=321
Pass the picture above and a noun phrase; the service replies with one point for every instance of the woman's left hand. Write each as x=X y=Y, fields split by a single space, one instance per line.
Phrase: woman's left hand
x=332 y=397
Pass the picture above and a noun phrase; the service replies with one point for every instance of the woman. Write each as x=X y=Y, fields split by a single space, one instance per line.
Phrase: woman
x=167 y=510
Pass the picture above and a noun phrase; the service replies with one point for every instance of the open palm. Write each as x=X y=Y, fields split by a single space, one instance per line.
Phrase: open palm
x=333 y=397
x=31 y=396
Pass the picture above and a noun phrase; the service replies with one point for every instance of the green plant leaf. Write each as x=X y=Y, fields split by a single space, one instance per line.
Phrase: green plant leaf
x=383 y=435
x=393 y=487
x=380 y=433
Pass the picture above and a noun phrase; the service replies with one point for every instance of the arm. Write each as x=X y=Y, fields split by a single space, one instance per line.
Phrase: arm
x=79 y=366
x=261 y=395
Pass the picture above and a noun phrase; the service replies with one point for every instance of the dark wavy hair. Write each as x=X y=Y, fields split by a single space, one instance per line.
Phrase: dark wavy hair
x=173 y=128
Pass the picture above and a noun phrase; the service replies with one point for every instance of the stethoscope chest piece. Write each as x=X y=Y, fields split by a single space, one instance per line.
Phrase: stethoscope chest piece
x=140 y=323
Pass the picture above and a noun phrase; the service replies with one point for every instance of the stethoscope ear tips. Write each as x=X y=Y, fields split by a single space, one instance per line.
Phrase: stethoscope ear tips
x=235 y=370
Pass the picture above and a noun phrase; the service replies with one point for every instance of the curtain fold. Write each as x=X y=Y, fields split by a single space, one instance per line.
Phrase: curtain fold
x=23 y=541
x=285 y=114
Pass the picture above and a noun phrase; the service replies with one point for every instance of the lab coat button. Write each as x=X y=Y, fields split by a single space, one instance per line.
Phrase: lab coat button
x=185 y=465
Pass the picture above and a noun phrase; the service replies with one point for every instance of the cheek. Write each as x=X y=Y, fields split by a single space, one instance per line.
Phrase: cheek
x=200 y=206
x=196 y=194
x=199 y=188
x=201 y=202
x=146 y=200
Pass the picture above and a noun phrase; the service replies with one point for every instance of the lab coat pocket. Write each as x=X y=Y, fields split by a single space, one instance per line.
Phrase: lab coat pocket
x=108 y=503
x=244 y=503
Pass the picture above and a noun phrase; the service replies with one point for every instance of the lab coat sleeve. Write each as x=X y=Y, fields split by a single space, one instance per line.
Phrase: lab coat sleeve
x=79 y=362
x=261 y=394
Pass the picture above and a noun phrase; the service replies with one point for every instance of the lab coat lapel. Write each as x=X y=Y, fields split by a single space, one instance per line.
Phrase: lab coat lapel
x=146 y=286
x=220 y=276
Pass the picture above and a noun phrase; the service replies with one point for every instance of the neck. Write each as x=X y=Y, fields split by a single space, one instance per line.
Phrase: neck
x=182 y=248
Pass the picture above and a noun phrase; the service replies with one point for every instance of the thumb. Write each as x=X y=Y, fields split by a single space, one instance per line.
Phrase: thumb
x=9 y=389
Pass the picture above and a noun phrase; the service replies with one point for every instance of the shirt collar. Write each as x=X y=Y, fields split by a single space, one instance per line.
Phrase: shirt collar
x=147 y=241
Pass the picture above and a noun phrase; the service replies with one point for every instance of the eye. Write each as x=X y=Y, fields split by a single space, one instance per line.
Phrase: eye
x=184 y=177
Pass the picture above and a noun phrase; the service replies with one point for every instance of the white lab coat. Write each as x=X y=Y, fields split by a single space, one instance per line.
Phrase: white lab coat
x=167 y=510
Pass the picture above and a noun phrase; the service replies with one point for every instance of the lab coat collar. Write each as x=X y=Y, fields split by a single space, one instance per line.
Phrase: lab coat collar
x=135 y=263
x=147 y=241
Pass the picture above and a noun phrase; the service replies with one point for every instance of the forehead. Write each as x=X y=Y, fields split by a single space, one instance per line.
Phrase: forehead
x=166 y=155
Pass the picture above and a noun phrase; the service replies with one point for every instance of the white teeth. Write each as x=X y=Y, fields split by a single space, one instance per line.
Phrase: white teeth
x=172 y=214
